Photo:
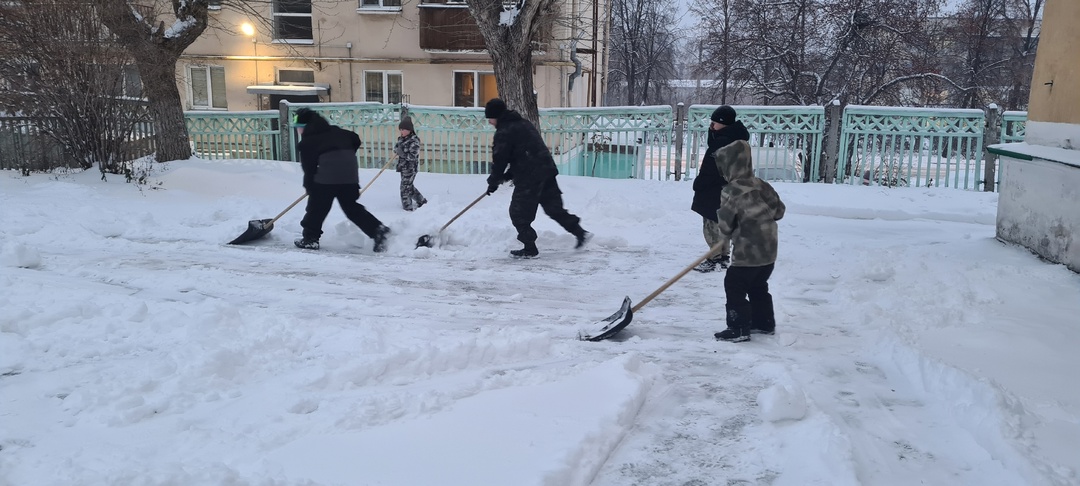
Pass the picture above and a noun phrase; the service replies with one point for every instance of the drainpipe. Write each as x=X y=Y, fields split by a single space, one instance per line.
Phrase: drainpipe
x=352 y=97
x=577 y=66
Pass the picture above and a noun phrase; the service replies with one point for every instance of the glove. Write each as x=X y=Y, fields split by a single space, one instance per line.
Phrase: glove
x=492 y=188
x=309 y=181
x=507 y=176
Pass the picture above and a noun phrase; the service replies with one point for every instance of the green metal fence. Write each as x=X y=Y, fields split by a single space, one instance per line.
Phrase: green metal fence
x=219 y=135
x=911 y=147
x=785 y=140
x=1013 y=124
x=876 y=145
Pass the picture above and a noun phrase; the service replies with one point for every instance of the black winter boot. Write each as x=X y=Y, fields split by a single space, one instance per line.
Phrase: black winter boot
x=530 y=251
x=582 y=239
x=380 y=239
x=709 y=265
x=738 y=322
x=307 y=244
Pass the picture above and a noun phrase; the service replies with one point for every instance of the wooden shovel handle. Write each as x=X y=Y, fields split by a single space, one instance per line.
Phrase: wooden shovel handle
x=384 y=167
x=678 y=276
x=297 y=201
x=458 y=215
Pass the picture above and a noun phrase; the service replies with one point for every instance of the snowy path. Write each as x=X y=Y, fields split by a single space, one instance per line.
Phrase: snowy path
x=142 y=350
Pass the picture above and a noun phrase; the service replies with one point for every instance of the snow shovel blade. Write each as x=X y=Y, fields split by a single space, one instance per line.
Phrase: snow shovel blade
x=426 y=240
x=257 y=228
x=612 y=325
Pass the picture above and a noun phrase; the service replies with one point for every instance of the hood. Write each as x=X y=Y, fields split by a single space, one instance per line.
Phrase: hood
x=733 y=160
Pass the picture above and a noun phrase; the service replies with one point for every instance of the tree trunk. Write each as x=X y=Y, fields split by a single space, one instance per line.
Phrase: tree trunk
x=166 y=108
x=513 y=68
x=510 y=34
x=156 y=50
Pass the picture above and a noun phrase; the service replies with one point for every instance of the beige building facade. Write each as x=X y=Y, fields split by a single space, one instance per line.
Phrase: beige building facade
x=1039 y=201
x=387 y=51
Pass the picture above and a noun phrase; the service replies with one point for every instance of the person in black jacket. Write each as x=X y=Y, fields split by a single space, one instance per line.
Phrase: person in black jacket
x=723 y=130
x=519 y=153
x=328 y=158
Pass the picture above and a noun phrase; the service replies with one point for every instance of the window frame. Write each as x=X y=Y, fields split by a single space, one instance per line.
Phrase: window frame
x=386 y=73
x=277 y=77
x=208 y=68
x=380 y=6
x=477 y=102
x=275 y=16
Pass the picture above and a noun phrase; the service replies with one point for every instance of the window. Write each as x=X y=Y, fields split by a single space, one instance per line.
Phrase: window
x=132 y=83
x=208 y=87
x=297 y=77
x=382 y=86
x=472 y=88
x=213 y=5
x=388 y=4
x=292 y=21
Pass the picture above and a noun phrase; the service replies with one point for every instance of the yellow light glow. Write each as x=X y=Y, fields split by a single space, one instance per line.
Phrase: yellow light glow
x=247 y=29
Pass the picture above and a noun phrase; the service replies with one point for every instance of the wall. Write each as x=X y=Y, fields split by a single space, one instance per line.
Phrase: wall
x=1054 y=110
x=1039 y=208
x=380 y=41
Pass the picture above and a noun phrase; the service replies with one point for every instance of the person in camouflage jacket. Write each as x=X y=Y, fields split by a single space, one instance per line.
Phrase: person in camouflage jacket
x=749 y=210
x=407 y=149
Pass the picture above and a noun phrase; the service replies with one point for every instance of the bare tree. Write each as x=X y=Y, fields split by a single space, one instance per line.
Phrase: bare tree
x=643 y=50
x=995 y=51
x=814 y=51
x=156 y=46
x=718 y=46
x=65 y=71
x=512 y=31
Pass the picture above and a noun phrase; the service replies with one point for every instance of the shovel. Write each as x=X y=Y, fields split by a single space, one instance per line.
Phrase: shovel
x=384 y=167
x=429 y=240
x=258 y=228
x=611 y=326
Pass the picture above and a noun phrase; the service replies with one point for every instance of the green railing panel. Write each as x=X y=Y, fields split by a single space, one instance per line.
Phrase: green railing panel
x=911 y=147
x=453 y=140
x=613 y=143
x=628 y=142
x=376 y=123
x=1013 y=125
x=217 y=135
x=785 y=140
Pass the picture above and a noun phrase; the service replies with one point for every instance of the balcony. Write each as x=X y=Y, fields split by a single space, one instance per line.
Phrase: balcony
x=448 y=27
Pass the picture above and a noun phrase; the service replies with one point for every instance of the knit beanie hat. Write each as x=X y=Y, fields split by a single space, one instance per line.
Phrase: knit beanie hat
x=303 y=117
x=725 y=115
x=406 y=124
x=494 y=108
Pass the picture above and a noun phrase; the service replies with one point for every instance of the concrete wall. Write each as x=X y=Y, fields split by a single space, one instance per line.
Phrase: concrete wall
x=1039 y=208
x=1039 y=204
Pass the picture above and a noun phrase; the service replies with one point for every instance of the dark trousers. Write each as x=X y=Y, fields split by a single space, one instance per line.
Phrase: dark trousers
x=545 y=194
x=747 y=291
x=321 y=198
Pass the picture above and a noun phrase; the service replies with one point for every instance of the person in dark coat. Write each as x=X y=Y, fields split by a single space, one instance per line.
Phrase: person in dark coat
x=748 y=213
x=723 y=129
x=518 y=153
x=328 y=158
x=407 y=149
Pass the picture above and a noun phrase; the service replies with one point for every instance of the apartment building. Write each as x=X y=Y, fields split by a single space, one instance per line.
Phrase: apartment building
x=421 y=52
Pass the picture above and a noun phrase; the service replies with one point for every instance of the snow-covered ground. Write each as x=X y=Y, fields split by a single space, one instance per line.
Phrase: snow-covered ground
x=136 y=347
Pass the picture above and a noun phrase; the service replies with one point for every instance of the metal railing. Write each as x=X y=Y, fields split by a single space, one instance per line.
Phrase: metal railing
x=862 y=144
x=911 y=147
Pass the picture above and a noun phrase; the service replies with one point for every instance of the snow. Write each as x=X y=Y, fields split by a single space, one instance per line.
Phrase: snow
x=136 y=347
